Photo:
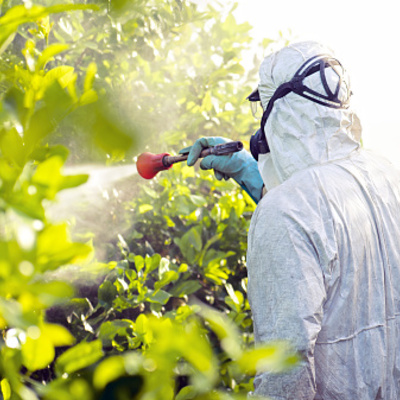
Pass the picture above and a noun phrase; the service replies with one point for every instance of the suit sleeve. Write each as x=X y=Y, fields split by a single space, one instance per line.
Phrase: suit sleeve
x=286 y=293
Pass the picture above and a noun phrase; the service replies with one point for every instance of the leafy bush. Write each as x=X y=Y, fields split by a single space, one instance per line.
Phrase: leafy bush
x=170 y=318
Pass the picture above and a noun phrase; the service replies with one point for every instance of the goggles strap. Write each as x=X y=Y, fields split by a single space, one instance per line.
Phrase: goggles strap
x=330 y=99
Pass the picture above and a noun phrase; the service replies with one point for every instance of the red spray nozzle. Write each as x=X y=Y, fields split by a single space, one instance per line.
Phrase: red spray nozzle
x=149 y=164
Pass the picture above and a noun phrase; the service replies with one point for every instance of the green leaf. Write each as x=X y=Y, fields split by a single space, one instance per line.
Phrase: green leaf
x=143 y=208
x=266 y=42
x=142 y=329
x=45 y=152
x=57 y=335
x=163 y=267
x=205 y=254
x=215 y=256
x=48 y=173
x=190 y=243
x=57 y=104
x=216 y=274
x=141 y=324
x=207 y=102
x=12 y=147
x=108 y=371
x=229 y=25
x=183 y=268
x=88 y=97
x=37 y=353
x=194 y=238
x=152 y=262
x=110 y=329
x=159 y=297
x=71 y=181
x=150 y=192
x=187 y=393
x=236 y=69
x=49 y=52
x=139 y=263
x=107 y=292
x=55 y=249
x=90 y=75
x=64 y=74
x=167 y=278
x=185 y=288
x=78 y=357
x=5 y=389
x=199 y=201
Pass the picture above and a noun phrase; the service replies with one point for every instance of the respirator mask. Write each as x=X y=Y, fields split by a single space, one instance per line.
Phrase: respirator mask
x=319 y=63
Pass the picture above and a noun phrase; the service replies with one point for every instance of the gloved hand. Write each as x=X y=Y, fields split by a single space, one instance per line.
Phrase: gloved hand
x=240 y=166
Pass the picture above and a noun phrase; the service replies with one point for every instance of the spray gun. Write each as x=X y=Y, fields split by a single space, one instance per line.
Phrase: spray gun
x=148 y=164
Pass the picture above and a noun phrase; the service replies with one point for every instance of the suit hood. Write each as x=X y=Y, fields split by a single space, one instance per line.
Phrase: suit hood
x=300 y=132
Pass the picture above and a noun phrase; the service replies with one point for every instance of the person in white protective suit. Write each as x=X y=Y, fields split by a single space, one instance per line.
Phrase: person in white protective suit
x=324 y=242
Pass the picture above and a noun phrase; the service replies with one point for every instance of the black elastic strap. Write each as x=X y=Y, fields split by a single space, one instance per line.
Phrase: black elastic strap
x=321 y=63
x=330 y=99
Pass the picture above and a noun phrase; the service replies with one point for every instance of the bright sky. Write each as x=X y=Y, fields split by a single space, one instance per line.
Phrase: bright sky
x=365 y=36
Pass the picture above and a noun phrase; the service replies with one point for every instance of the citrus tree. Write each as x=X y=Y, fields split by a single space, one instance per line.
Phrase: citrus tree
x=102 y=81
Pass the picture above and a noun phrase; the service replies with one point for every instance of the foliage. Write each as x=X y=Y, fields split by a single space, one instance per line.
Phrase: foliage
x=156 y=69
x=159 y=71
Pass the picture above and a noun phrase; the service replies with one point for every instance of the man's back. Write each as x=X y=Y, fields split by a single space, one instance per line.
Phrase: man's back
x=329 y=277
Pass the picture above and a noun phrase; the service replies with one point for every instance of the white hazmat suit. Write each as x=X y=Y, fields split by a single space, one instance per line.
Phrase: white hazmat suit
x=324 y=247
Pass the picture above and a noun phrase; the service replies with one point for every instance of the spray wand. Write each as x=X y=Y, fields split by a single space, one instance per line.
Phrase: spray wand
x=148 y=164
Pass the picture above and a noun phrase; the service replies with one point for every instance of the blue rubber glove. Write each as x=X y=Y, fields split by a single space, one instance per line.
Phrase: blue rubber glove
x=240 y=166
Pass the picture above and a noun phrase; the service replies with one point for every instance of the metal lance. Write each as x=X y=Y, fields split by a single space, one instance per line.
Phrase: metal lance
x=149 y=165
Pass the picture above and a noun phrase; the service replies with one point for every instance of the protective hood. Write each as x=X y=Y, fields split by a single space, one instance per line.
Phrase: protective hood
x=301 y=133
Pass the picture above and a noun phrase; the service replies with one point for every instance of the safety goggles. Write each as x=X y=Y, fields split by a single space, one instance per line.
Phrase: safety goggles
x=318 y=63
